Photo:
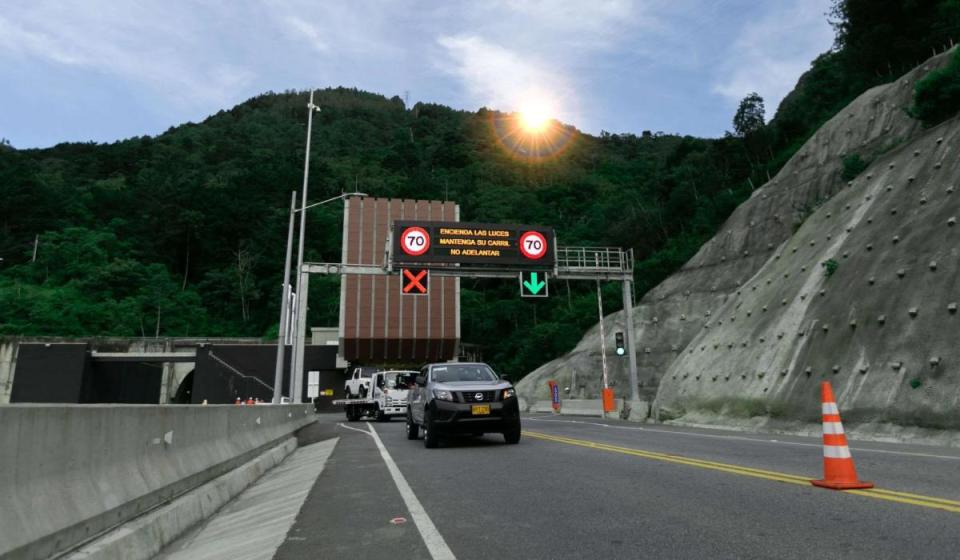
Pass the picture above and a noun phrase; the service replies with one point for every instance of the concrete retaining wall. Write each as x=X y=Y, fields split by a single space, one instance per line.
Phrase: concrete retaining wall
x=68 y=473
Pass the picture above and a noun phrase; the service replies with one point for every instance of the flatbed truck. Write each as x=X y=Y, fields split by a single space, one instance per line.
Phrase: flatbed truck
x=387 y=398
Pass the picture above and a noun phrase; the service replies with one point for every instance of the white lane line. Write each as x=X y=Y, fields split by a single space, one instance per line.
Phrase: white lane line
x=428 y=531
x=742 y=438
x=342 y=425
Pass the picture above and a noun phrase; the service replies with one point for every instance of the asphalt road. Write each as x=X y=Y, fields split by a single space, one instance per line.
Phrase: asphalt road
x=586 y=488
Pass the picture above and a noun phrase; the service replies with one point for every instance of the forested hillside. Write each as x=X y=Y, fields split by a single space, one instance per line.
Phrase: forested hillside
x=183 y=233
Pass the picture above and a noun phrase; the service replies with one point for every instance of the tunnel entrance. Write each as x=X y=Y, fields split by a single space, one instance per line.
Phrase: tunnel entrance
x=185 y=390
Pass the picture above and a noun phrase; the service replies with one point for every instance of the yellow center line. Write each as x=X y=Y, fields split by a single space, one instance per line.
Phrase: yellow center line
x=876 y=493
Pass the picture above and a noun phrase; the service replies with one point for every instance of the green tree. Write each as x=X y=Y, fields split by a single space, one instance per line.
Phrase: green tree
x=750 y=114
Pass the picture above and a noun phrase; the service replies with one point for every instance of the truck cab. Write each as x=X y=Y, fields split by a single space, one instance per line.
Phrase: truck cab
x=380 y=394
x=390 y=392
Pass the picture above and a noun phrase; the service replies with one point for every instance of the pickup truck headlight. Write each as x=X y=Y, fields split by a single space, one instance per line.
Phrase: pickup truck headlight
x=507 y=393
x=442 y=395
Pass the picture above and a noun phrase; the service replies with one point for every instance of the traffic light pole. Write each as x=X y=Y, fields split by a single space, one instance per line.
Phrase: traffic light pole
x=628 y=329
x=603 y=346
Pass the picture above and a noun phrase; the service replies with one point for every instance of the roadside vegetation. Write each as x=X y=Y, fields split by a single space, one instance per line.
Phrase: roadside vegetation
x=937 y=95
x=853 y=165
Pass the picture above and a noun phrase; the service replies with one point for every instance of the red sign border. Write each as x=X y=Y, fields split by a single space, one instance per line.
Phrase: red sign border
x=524 y=252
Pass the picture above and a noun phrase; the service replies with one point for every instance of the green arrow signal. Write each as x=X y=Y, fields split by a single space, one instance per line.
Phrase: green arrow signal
x=532 y=285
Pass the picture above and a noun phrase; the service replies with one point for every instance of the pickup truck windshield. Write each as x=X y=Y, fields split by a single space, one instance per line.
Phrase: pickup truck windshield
x=463 y=372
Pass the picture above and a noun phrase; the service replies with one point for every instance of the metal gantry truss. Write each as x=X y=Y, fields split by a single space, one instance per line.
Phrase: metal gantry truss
x=570 y=263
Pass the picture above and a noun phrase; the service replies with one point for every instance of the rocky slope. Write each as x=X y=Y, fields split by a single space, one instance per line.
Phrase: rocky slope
x=754 y=321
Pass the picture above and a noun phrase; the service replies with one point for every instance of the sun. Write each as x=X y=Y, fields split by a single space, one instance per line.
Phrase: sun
x=530 y=130
x=535 y=115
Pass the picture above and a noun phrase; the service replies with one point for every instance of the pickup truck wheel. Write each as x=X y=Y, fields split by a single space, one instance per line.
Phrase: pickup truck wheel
x=430 y=439
x=512 y=436
x=413 y=431
x=363 y=392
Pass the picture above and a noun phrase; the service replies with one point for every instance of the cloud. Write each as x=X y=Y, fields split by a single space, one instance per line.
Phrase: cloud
x=598 y=23
x=146 y=43
x=336 y=28
x=309 y=32
x=33 y=44
x=773 y=51
x=498 y=77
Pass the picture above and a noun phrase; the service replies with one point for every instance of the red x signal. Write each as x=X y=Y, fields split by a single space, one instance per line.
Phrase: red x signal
x=414 y=282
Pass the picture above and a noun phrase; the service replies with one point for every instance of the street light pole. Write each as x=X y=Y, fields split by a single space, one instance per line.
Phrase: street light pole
x=284 y=306
x=295 y=365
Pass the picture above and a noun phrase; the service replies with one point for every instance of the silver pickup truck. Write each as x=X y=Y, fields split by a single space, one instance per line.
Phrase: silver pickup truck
x=462 y=398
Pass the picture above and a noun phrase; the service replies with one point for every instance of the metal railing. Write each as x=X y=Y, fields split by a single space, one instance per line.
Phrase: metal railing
x=594 y=259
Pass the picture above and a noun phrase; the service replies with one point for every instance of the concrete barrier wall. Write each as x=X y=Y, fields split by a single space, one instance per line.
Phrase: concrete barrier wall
x=69 y=472
x=588 y=407
x=8 y=356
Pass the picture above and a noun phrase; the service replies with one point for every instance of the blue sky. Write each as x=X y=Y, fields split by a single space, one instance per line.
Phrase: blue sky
x=103 y=70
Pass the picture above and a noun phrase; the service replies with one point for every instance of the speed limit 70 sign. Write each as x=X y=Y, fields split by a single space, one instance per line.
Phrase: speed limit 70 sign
x=533 y=245
x=415 y=241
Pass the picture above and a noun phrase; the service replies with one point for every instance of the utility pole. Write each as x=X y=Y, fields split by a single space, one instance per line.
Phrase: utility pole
x=284 y=306
x=296 y=365
x=36 y=243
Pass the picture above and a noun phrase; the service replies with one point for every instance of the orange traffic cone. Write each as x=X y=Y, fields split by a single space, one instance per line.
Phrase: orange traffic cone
x=838 y=470
x=238 y=401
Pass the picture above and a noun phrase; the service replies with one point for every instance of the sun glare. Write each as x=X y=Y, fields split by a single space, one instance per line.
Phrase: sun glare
x=531 y=131
x=535 y=115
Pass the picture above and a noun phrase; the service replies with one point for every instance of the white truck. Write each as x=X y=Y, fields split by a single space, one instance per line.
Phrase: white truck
x=387 y=392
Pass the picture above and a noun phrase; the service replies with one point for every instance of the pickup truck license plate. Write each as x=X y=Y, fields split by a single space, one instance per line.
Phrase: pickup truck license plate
x=480 y=409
